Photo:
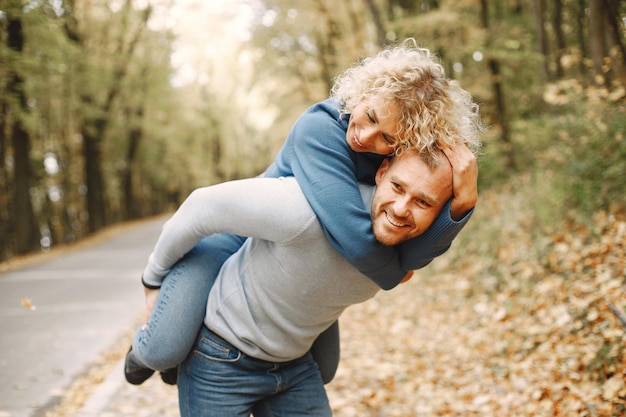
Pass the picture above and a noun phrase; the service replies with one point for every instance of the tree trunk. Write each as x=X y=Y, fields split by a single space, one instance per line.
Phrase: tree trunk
x=381 y=33
x=326 y=43
x=484 y=13
x=616 y=26
x=557 y=21
x=134 y=137
x=582 y=41
x=496 y=83
x=92 y=132
x=540 y=36
x=5 y=211
x=26 y=230
x=597 y=41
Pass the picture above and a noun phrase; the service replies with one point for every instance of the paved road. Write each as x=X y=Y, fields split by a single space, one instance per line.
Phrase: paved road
x=84 y=301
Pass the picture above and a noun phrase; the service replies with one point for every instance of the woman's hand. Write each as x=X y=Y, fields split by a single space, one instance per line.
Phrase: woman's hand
x=464 y=179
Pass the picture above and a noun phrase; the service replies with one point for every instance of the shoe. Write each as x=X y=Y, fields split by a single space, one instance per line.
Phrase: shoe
x=170 y=376
x=135 y=374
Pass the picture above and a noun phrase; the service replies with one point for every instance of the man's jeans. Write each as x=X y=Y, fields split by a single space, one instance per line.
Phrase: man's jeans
x=217 y=380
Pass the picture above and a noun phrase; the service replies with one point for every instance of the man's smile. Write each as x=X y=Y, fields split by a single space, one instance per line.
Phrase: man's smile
x=392 y=220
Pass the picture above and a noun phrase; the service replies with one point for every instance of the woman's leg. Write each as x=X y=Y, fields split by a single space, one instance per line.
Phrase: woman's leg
x=181 y=305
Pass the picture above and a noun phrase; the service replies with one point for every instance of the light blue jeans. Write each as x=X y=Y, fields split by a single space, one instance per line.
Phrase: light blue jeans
x=180 y=309
x=217 y=380
x=181 y=306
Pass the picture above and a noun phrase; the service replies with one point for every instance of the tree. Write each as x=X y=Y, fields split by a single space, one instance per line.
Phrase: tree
x=557 y=23
x=606 y=64
x=135 y=136
x=539 y=12
x=496 y=81
x=96 y=121
x=598 y=39
x=5 y=187
x=377 y=20
x=25 y=226
x=618 y=51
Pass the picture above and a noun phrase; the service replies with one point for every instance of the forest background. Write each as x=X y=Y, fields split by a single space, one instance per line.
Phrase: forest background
x=106 y=115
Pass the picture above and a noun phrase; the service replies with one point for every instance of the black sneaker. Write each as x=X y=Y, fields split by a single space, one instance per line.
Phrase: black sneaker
x=170 y=376
x=135 y=374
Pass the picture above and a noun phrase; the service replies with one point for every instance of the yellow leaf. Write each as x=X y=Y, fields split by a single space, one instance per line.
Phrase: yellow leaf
x=612 y=387
x=27 y=303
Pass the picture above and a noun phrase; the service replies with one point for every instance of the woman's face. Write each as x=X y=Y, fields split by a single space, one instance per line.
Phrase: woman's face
x=372 y=126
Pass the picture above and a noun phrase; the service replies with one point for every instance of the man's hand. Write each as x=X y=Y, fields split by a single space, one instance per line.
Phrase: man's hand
x=151 y=297
x=464 y=179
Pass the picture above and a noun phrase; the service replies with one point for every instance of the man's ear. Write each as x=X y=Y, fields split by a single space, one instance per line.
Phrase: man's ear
x=382 y=170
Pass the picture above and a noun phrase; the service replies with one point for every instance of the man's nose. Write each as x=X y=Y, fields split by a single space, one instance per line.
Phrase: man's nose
x=401 y=207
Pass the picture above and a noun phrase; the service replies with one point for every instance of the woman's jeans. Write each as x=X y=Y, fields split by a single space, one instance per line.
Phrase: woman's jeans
x=180 y=309
x=217 y=380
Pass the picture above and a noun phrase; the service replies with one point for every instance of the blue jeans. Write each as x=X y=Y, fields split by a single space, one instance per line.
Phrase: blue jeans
x=179 y=311
x=218 y=380
x=181 y=306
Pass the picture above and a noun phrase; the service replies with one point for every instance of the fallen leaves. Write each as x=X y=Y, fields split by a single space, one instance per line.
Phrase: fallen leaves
x=27 y=304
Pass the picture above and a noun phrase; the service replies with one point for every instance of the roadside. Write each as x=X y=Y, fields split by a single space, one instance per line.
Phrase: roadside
x=103 y=391
x=30 y=259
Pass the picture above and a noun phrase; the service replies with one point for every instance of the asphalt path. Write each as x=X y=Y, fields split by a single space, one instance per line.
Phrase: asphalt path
x=82 y=300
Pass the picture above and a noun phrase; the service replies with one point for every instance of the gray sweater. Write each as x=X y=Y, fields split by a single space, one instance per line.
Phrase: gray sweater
x=285 y=285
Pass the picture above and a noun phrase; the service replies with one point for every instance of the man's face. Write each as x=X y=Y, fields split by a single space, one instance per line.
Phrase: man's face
x=409 y=196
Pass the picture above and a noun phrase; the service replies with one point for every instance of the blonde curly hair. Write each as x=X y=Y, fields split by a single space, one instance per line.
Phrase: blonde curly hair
x=434 y=110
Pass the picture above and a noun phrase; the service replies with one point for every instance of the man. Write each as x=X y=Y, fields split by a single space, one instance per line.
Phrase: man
x=287 y=284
